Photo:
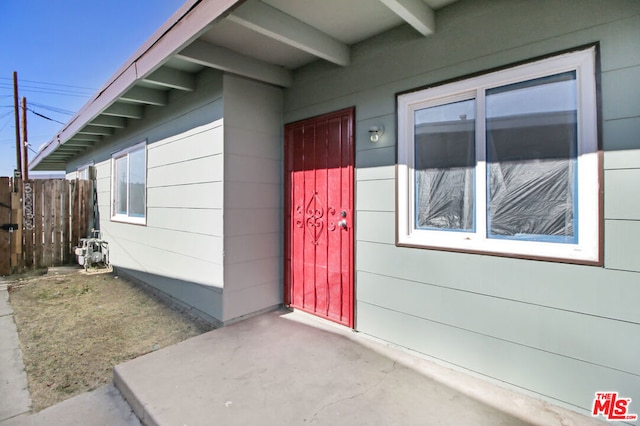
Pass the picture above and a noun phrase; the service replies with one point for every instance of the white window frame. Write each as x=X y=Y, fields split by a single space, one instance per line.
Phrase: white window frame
x=587 y=249
x=85 y=168
x=118 y=217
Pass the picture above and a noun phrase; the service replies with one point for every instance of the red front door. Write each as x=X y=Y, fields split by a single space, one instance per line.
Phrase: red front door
x=319 y=220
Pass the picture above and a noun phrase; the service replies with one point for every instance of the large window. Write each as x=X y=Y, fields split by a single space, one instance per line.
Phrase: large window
x=504 y=163
x=128 y=187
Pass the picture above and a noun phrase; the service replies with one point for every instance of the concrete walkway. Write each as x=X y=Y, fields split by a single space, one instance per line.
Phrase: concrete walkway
x=14 y=393
x=291 y=369
x=101 y=407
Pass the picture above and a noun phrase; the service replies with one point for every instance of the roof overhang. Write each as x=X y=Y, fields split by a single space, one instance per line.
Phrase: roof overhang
x=261 y=39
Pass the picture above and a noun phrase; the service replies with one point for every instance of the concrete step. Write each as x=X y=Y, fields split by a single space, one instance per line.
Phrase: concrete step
x=103 y=406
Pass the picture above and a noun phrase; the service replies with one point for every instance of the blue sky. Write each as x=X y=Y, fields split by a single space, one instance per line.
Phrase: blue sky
x=63 y=52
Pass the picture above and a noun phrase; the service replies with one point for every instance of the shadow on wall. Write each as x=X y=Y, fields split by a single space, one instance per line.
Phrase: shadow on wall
x=199 y=300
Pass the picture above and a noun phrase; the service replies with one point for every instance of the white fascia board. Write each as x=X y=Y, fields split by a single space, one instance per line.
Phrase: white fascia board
x=416 y=13
x=271 y=22
x=212 y=56
x=193 y=19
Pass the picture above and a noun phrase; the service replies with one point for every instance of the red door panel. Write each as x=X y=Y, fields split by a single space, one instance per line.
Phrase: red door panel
x=319 y=220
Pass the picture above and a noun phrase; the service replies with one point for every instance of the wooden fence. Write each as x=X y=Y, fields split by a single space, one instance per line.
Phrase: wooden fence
x=41 y=221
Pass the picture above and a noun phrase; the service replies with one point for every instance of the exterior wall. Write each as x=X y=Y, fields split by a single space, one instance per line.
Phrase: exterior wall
x=179 y=251
x=253 y=181
x=561 y=331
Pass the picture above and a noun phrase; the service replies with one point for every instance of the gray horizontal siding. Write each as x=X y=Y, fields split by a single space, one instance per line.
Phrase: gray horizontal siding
x=518 y=322
x=546 y=327
x=196 y=221
x=621 y=142
x=376 y=195
x=583 y=289
x=253 y=182
x=375 y=173
x=622 y=204
x=250 y=247
x=565 y=379
x=376 y=226
x=132 y=254
x=179 y=251
x=207 y=195
x=252 y=195
x=256 y=298
x=621 y=249
x=207 y=248
x=200 y=142
x=623 y=97
x=254 y=272
x=253 y=221
x=199 y=170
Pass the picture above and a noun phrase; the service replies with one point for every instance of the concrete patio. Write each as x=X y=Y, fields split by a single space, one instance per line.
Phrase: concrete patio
x=279 y=368
x=288 y=368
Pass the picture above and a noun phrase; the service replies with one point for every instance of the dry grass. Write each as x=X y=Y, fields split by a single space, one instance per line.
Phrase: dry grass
x=75 y=328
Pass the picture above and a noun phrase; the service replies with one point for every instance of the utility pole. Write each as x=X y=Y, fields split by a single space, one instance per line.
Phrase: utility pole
x=17 y=114
x=25 y=141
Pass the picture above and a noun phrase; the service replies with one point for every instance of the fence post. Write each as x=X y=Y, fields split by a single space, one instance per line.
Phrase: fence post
x=5 y=217
x=17 y=263
x=66 y=216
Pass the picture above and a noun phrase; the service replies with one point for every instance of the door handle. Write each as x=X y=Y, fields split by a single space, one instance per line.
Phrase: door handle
x=343 y=223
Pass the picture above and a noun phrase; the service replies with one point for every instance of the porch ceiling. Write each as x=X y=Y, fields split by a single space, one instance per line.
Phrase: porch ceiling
x=261 y=39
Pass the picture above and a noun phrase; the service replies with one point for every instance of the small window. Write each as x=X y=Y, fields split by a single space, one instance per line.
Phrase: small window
x=85 y=172
x=504 y=163
x=129 y=171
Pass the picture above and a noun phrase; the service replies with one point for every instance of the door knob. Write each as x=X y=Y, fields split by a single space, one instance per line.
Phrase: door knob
x=343 y=223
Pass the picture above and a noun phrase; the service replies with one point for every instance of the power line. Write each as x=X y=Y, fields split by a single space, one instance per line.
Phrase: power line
x=4 y=126
x=31 y=138
x=44 y=116
x=53 y=92
x=53 y=109
x=51 y=84
x=30 y=86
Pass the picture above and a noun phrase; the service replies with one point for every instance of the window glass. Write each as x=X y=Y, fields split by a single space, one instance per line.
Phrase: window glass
x=120 y=191
x=136 y=183
x=129 y=184
x=531 y=148
x=504 y=162
x=444 y=166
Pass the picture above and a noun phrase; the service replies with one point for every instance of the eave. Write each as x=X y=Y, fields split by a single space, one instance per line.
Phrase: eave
x=283 y=35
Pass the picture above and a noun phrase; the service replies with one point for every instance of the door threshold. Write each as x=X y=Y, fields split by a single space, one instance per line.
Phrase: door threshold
x=312 y=320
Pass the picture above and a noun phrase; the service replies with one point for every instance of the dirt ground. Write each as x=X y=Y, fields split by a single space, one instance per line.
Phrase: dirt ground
x=75 y=327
